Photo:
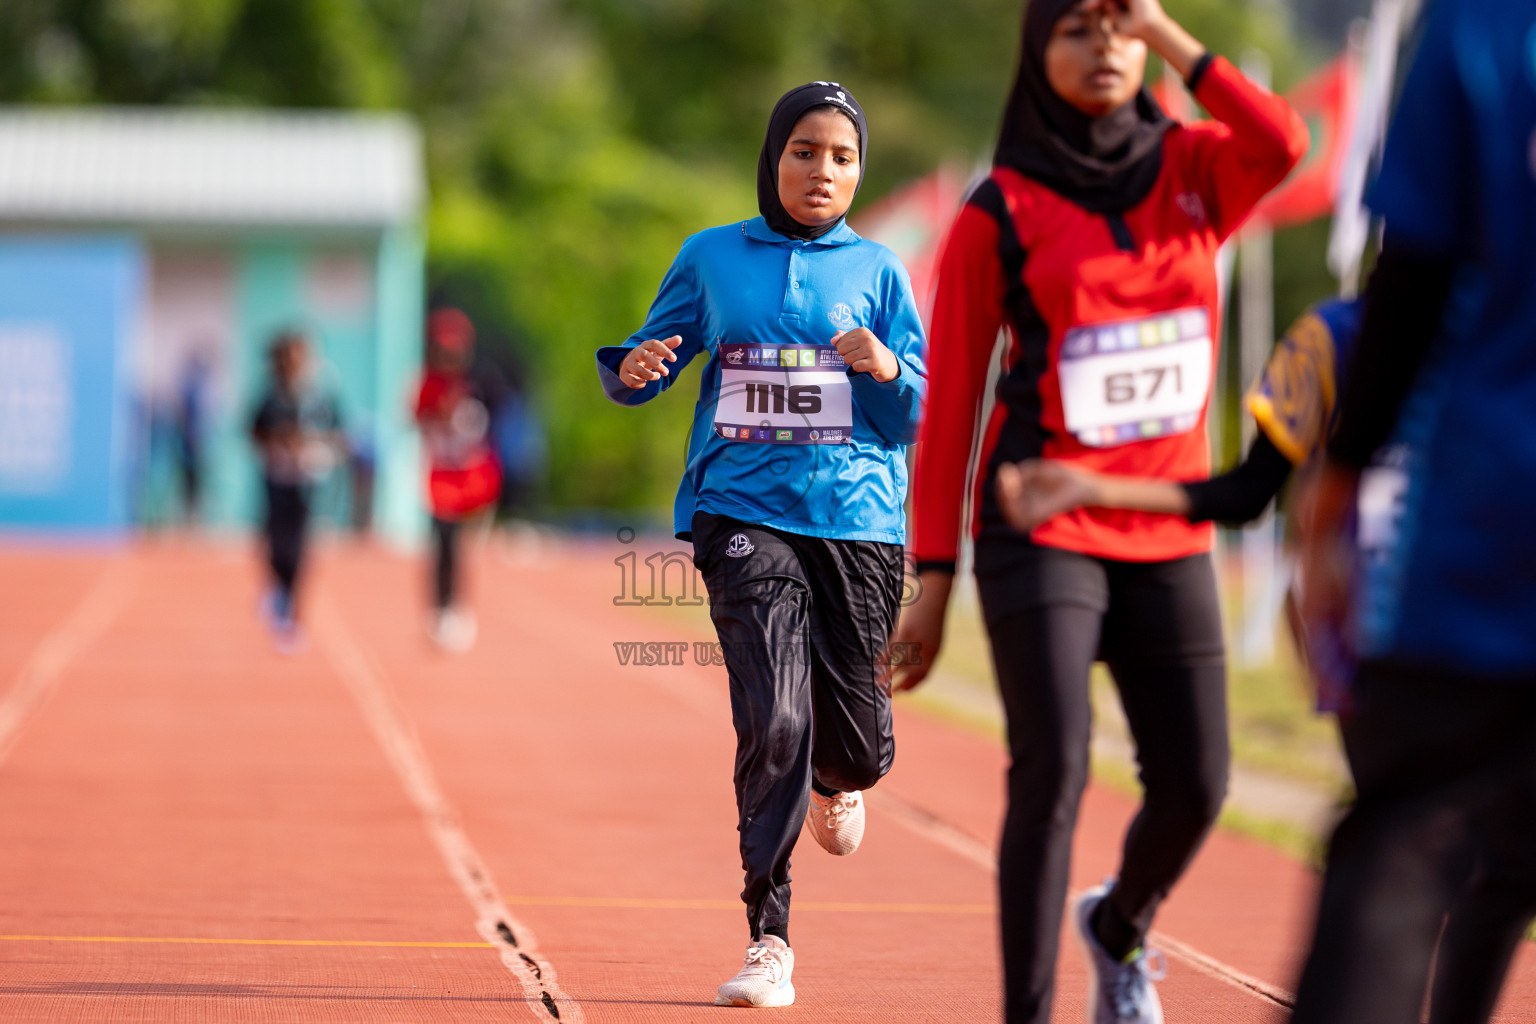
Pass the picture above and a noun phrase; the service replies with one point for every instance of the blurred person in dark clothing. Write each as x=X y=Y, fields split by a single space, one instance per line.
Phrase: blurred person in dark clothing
x=1441 y=602
x=297 y=429
x=517 y=433
x=192 y=402
x=463 y=479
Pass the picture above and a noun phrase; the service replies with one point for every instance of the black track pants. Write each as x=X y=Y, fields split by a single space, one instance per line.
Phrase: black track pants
x=1157 y=625
x=1445 y=774
x=803 y=623
x=1489 y=917
x=445 y=576
x=287 y=523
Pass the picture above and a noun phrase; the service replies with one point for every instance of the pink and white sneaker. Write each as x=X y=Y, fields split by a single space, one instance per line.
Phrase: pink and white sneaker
x=836 y=822
x=763 y=980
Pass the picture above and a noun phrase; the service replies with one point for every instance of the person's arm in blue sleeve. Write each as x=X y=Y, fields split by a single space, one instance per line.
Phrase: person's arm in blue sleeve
x=1426 y=195
x=673 y=313
x=895 y=407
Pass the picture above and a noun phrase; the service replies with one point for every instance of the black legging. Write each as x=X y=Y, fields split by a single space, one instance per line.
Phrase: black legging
x=287 y=522
x=1050 y=615
x=445 y=579
x=1444 y=764
x=803 y=623
x=1489 y=917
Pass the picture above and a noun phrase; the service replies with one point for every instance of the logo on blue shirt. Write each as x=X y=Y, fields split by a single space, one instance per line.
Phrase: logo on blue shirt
x=841 y=316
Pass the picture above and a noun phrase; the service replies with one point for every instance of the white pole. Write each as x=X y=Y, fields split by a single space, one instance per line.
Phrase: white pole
x=1256 y=333
x=1375 y=45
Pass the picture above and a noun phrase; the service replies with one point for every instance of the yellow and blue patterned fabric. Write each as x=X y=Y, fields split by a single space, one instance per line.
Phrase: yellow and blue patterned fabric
x=1295 y=399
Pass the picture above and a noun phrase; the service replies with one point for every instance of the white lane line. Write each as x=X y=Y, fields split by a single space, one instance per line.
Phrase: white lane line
x=515 y=942
x=1210 y=965
x=942 y=833
x=60 y=646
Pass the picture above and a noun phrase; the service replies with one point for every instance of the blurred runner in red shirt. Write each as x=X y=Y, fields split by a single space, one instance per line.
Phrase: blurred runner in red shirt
x=463 y=479
x=1092 y=246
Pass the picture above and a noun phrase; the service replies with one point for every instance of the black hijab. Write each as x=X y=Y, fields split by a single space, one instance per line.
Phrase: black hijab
x=1104 y=164
x=792 y=106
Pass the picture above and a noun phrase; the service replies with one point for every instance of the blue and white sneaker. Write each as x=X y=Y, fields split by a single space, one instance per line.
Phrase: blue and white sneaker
x=764 y=976
x=276 y=610
x=1119 y=991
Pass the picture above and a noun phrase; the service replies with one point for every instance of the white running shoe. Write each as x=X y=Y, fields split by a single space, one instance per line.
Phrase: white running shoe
x=453 y=629
x=764 y=976
x=836 y=822
x=1119 y=991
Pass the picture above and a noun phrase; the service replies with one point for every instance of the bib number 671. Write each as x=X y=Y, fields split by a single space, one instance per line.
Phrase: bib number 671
x=1120 y=388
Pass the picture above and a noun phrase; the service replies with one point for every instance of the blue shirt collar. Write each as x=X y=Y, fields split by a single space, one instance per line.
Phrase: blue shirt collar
x=757 y=228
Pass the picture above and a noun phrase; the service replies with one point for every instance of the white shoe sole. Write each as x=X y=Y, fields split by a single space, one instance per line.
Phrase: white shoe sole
x=784 y=996
x=1080 y=932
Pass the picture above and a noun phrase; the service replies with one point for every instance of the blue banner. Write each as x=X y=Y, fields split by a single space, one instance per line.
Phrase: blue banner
x=69 y=307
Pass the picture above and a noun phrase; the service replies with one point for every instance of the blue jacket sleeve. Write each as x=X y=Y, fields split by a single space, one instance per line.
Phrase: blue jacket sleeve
x=1424 y=189
x=895 y=407
x=674 y=311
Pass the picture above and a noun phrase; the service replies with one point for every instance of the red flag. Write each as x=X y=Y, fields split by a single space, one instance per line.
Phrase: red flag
x=1170 y=94
x=1326 y=100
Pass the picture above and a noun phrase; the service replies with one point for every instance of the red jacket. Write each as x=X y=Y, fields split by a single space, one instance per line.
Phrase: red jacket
x=463 y=477
x=1111 y=325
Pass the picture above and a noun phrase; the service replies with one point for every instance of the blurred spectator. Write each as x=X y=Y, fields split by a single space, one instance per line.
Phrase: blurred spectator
x=517 y=433
x=363 y=464
x=193 y=394
x=297 y=428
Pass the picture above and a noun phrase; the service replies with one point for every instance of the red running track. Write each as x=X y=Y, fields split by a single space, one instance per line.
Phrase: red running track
x=202 y=829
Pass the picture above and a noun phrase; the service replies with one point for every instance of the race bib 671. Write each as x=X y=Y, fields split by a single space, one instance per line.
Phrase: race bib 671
x=1136 y=379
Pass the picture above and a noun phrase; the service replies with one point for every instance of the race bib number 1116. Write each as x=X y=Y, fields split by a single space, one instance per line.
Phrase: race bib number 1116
x=1136 y=379
x=784 y=394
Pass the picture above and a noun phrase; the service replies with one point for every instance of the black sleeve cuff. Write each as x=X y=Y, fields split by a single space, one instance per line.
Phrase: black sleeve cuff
x=934 y=566
x=1197 y=72
x=1241 y=494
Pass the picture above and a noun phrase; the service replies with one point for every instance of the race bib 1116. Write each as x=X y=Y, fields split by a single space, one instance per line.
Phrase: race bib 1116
x=1136 y=379
x=784 y=394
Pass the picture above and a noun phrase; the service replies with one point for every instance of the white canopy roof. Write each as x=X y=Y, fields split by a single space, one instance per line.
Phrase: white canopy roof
x=186 y=167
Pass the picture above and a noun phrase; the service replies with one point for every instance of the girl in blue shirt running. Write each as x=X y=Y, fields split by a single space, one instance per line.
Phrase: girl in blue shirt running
x=793 y=491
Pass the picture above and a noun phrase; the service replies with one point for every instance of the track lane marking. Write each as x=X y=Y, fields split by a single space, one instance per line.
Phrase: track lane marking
x=937 y=830
x=665 y=903
x=700 y=699
x=71 y=637
x=369 y=686
x=192 y=941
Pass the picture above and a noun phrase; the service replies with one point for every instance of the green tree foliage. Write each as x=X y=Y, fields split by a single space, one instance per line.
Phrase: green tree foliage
x=572 y=145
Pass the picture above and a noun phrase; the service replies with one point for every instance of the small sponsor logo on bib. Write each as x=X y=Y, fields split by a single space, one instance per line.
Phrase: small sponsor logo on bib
x=739 y=547
x=734 y=356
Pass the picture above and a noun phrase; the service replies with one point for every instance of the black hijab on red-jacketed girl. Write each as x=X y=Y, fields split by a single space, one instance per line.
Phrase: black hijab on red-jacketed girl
x=1105 y=164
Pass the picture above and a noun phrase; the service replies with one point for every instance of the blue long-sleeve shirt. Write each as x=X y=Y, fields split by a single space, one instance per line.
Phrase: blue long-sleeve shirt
x=1452 y=583
x=769 y=444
